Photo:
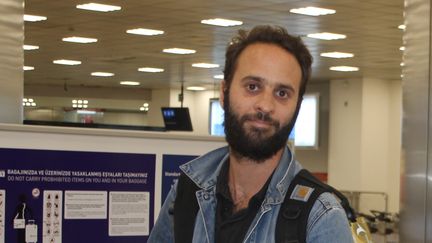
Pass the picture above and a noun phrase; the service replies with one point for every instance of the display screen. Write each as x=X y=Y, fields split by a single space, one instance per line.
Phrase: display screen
x=176 y=118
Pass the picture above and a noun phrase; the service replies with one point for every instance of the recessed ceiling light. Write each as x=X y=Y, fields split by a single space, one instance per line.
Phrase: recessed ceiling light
x=141 y=31
x=102 y=74
x=150 y=70
x=205 y=65
x=337 y=54
x=313 y=11
x=176 y=50
x=326 y=36
x=219 y=76
x=402 y=64
x=221 y=22
x=33 y=18
x=78 y=39
x=67 y=62
x=98 y=7
x=86 y=112
x=344 y=68
x=28 y=68
x=402 y=48
x=131 y=83
x=402 y=27
x=30 y=47
x=195 y=88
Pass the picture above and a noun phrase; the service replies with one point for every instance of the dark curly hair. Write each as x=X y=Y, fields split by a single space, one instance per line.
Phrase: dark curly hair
x=271 y=35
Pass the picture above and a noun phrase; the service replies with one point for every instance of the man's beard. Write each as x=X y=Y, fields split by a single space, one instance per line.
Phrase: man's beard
x=254 y=143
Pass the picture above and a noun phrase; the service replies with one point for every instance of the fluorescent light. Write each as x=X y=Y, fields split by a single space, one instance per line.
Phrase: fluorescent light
x=98 y=7
x=176 y=50
x=326 y=36
x=221 y=22
x=131 y=83
x=141 y=31
x=344 y=68
x=205 y=65
x=86 y=112
x=337 y=54
x=402 y=27
x=195 y=88
x=313 y=11
x=102 y=74
x=78 y=39
x=30 y=47
x=67 y=62
x=28 y=68
x=402 y=48
x=34 y=18
x=219 y=76
x=150 y=70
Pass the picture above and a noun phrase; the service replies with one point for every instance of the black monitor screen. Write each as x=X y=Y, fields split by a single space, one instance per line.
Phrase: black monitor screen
x=177 y=119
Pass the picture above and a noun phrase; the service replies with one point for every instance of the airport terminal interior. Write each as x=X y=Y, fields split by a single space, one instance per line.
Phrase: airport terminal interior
x=114 y=83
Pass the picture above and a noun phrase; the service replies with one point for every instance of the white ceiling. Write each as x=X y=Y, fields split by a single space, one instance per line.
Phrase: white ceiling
x=371 y=27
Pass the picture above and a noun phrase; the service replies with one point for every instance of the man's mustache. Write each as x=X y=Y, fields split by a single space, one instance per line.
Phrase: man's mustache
x=260 y=116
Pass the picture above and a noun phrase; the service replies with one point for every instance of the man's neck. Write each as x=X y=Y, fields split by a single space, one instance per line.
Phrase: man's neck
x=246 y=177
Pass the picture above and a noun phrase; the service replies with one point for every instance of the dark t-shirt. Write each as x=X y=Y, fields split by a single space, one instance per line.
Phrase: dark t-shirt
x=232 y=227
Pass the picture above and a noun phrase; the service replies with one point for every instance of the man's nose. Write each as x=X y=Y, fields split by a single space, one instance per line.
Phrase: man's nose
x=265 y=102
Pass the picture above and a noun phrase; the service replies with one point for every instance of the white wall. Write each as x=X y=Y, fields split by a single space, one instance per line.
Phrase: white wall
x=365 y=142
x=11 y=60
x=344 y=161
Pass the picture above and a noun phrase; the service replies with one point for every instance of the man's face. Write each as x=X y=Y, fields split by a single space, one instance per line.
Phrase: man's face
x=261 y=101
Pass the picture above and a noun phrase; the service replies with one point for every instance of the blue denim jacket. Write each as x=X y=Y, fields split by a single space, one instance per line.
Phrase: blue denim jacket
x=327 y=221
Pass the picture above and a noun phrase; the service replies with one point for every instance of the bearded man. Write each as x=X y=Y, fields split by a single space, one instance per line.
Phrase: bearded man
x=238 y=190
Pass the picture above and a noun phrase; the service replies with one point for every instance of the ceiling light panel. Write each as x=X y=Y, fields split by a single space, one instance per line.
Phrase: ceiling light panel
x=313 y=11
x=30 y=47
x=402 y=27
x=221 y=22
x=98 y=7
x=337 y=54
x=326 y=36
x=142 y=31
x=28 y=68
x=150 y=70
x=219 y=76
x=130 y=83
x=34 y=18
x=102 y=74
x=180 y=51
x=344 y=68
x=195 y=88
x=67 y=62
x=77 y=39
x=205 y=65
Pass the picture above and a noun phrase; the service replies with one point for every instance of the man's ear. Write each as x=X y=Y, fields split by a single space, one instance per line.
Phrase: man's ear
x=222 y=93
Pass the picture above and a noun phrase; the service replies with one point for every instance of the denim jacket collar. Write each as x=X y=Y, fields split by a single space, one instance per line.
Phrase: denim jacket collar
x=205 y=169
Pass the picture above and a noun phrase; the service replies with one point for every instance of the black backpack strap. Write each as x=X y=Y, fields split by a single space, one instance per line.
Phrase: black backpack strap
x=294 y=212
x=349 y=211
x=185 y=209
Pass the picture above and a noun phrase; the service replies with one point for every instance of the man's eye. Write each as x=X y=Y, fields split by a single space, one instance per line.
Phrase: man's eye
x=252 y=87
x=282 y=93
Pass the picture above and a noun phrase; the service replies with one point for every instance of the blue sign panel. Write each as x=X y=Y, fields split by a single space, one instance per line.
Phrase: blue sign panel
x=67 y=197
x=171 y=171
